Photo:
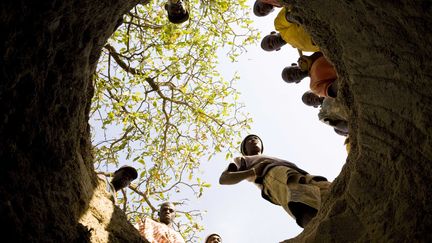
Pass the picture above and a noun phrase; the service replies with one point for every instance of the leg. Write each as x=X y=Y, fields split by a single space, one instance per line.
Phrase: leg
x=302 y=212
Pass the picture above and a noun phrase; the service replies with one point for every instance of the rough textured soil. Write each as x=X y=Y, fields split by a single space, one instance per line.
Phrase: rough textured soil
x=48 y=189
x=381 y=50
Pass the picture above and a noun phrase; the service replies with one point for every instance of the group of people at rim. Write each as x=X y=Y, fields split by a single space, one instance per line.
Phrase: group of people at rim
x=281 y=182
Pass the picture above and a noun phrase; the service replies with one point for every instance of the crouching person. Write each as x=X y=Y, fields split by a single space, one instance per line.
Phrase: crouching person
x=281 y=182
x=323 y=76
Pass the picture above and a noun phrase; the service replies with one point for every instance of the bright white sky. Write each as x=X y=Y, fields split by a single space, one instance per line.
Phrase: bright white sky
x=289 y=130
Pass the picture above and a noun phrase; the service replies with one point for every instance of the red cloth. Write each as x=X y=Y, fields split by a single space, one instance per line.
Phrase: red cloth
x=156 y=232
x=322 y=74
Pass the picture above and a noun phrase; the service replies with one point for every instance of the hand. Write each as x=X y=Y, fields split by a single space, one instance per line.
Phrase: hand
x=304 y=63
x=259 y=168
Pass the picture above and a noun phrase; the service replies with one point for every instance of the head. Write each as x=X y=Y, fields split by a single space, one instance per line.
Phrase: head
x=123 y=177
x=177 y=12
x=272 y=42
x=309 y=98
x=167 y=213
x=213 y=238
x=293 y=74
x=261 y=9
x=251 y=145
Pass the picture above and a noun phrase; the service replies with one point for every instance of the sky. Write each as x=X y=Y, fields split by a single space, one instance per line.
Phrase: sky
x=289 y=129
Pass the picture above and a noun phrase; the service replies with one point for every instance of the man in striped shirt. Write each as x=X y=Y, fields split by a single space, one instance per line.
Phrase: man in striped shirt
x=162 y=231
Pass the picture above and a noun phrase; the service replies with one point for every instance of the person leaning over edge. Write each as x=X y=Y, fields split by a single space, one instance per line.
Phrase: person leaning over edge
x=331 y=112
x=177 y=11
x=323 y=75
x=162 y=231
x=213 y=238
x=287 y=30
x=281 y=182
x=121 y=179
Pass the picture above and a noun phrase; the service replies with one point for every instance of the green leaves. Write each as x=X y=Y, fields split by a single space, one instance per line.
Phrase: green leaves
x=161 y=105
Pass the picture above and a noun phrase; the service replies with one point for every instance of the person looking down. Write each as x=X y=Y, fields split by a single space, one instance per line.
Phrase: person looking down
x=287 y=30
x=281 y=182
x=213 y=238
x=121 y=179
x=331 y=113
x=162 y=231
x=323 y=76
x=177 y=11
x=293 y=33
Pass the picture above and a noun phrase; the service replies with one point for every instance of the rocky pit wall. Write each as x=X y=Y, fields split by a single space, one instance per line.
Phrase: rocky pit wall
x=49 y=51
x=381 y=50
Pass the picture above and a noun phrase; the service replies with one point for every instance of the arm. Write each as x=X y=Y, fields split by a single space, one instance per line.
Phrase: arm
x=233 y=177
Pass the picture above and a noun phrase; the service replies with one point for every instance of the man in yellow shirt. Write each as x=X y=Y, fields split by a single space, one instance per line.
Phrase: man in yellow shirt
x=289 y=32
x=293 y=33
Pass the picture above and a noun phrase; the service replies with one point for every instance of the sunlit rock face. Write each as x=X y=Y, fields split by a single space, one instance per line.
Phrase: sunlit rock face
x=106 y=222
x=48 y=53
x=381 y=50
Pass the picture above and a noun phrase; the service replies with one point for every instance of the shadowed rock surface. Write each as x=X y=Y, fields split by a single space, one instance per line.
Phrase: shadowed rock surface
x=48 y=188
x=381 y=50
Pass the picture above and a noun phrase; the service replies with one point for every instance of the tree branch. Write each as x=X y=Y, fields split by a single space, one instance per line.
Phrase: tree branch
x=133 y=188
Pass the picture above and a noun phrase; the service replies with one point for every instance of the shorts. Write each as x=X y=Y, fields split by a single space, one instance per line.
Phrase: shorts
x=282 y=185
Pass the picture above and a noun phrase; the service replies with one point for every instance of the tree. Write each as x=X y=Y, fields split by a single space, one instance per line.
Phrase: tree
x=161 y=104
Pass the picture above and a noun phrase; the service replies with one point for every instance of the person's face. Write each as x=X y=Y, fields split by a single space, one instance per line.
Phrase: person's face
x=293 y=74
x=263 y=9
x=272 y=42
x=253 y=145
x=214 y=239
x=311 y=99
x=167 y=213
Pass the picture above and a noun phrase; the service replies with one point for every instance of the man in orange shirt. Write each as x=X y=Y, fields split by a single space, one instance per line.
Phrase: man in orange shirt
x=323 y=76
